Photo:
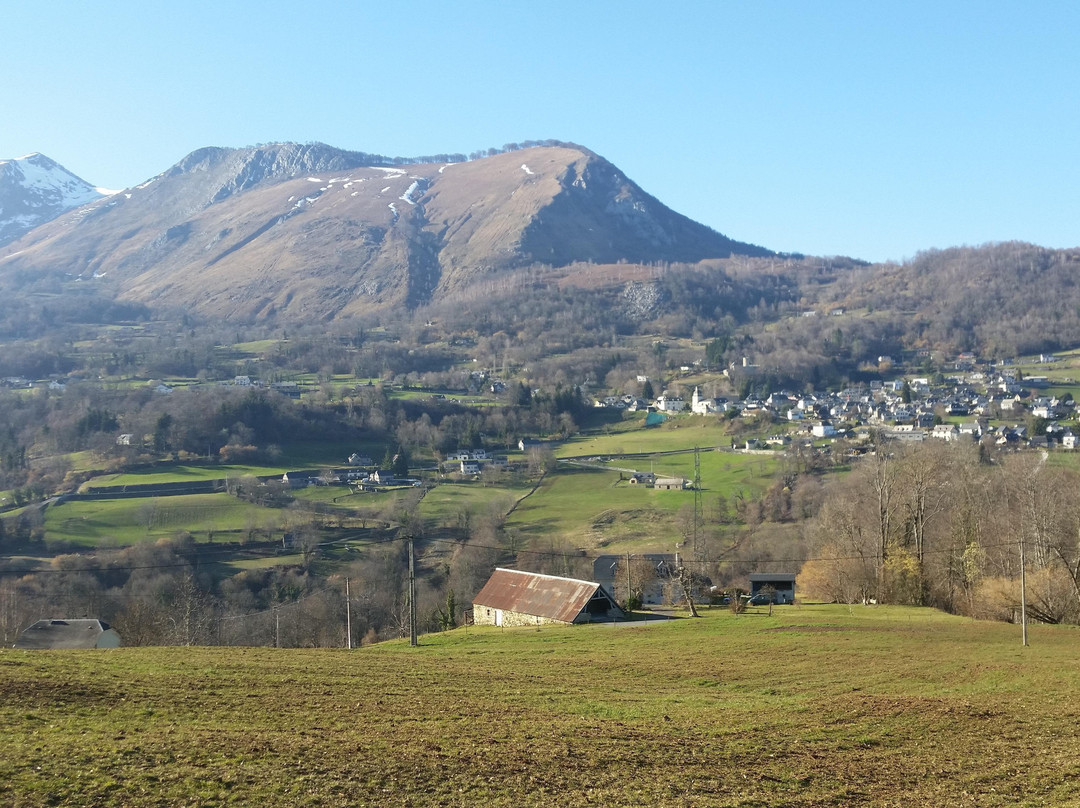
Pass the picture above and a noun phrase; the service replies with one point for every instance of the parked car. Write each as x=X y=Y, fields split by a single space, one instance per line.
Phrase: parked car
x=760 y=599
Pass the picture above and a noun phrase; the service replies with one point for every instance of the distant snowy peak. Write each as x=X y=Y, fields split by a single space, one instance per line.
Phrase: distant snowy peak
x=35 y=190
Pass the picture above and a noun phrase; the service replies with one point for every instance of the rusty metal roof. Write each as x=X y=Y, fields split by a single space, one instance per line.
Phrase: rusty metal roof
x=532 y=593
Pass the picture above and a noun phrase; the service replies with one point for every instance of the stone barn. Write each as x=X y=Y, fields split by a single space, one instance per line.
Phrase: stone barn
x=68 y=634
x=516 y=598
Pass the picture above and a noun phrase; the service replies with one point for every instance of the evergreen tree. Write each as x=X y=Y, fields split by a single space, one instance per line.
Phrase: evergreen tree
x=400 y=463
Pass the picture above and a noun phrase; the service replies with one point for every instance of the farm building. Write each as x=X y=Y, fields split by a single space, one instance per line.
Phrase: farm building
x=670 y=483
x=68 y=634
x=783 y=583
x=516 y=598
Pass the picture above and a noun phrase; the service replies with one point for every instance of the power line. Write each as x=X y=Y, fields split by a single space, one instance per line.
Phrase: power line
x=495 y=547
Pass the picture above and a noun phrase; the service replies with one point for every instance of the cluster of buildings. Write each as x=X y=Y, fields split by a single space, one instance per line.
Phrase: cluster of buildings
x=474 y=461
x=906 y=409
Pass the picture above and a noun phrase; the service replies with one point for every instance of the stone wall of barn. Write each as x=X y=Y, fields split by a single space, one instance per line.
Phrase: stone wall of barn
x=487 y=616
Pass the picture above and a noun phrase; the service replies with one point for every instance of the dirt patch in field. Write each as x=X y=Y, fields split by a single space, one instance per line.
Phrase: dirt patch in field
x=820 y=629
x=876 y=705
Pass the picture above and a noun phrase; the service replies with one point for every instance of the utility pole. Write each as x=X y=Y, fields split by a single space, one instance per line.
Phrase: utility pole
x=348 y=617
x=629 y=593
x=1023 y=593
x=277 y=628
x=412 y=594
x=699 y=540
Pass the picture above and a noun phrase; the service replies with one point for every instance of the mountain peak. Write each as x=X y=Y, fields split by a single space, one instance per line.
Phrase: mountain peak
x=311 y=231
x=35 y=189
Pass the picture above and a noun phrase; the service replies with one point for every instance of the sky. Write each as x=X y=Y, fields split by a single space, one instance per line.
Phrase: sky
x=872 y=130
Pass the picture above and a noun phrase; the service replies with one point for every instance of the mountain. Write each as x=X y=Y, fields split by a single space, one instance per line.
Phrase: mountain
x=35 y=190
x=309 y=231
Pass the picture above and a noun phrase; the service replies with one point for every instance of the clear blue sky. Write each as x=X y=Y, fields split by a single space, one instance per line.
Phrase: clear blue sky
x=830 y=128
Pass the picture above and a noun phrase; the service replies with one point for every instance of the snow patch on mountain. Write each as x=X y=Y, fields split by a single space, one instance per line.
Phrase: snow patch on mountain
x=35 y=190
x=407 y=196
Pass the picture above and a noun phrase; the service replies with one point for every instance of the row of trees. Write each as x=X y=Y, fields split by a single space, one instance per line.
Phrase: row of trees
x=945 y=526
x=164 y=594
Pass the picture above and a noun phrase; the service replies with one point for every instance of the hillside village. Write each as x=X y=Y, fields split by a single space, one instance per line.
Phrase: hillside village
x=980 y=402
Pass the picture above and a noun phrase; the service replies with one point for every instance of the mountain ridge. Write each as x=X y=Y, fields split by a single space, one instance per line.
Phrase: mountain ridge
x=309 y=230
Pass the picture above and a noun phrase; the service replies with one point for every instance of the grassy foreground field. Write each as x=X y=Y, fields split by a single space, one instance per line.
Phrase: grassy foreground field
x=814 y=706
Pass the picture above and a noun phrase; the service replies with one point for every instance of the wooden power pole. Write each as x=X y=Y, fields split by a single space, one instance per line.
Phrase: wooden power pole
x=348 y=617
x=412 y=594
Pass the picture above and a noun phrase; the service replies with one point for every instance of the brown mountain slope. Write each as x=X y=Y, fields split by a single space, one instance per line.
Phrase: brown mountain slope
x=312 y=232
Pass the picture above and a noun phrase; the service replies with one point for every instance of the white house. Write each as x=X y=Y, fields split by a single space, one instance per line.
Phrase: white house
x=946 y=432
x=672 y=403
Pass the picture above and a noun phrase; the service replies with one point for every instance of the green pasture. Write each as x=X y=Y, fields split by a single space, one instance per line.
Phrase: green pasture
x=446 y=502
x=309 y=455
x=591 y=507
x=182 y=472
x=813 y=706
x=119 y=522
x=336 y=496
x=631 y=437
x=255 y=347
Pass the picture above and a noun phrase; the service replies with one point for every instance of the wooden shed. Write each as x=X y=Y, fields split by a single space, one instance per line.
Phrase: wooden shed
x=517 y=598
x=68 y=634
x=782 y=583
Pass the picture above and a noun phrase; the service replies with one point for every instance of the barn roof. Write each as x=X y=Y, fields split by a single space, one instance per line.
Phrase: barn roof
x=531 y=593
x=56 y=634
x=761 y=577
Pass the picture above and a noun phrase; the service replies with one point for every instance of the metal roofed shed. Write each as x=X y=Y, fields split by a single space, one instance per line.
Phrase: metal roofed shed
x=782 y=583
x=517 y=598
x=68 y=634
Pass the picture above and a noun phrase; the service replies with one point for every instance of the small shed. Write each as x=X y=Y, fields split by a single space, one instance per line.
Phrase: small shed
x=783 y=584
x=68 y=634
x=670 y=483
x=517 y=598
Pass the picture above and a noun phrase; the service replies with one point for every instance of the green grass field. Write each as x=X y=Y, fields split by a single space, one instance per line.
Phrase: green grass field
x=815 y=706
x=630 y=437
x=591 y=507
x=312 y=455
x=120 y=522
